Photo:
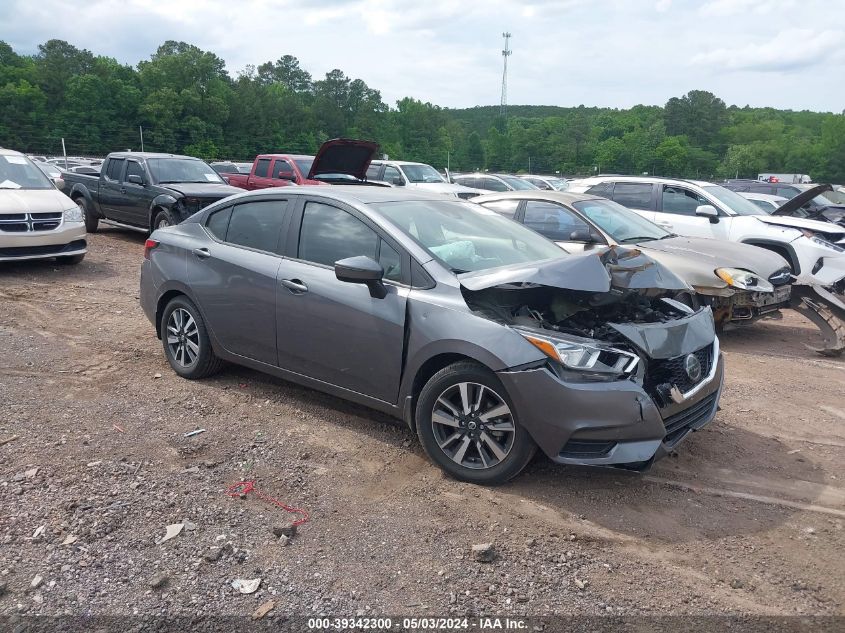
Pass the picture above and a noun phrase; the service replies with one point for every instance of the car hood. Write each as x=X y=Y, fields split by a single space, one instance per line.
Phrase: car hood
x=202 y=190
x=343 y=156
x=596 y=271
x=793 y=204
x=802 y=223
x=33 y=201
x=695 y=259
x=444 y=187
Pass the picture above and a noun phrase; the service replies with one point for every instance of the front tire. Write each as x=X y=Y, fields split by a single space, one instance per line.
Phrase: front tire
x=184 y=337
x=92 y=222
x=162 y=220
x=468 y=425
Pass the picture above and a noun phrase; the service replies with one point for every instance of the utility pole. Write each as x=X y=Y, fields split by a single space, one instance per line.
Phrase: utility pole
x=506 y=52
x=141 y=131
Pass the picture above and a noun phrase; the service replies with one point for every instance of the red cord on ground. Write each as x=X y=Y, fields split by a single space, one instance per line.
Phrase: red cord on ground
x=245 y=487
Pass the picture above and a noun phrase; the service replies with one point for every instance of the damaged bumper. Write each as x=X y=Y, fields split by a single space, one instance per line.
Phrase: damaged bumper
x=622 y=424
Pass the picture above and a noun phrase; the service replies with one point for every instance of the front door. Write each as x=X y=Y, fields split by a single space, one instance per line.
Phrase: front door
x=335 y=331
x=234 y=276
x=557 y=223
x=111 y=188
x=133 y=204
x=676 y=213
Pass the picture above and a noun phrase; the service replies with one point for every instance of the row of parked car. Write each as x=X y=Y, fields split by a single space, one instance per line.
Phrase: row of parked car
x=582 y=322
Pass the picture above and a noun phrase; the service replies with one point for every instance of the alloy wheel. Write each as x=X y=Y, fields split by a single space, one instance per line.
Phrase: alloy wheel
x=81 y=206
x=183 y=338
x=163 y=223
x=473 y=425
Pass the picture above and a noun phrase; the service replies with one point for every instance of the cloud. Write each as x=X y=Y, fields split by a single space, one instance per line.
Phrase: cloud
x=723 y=8
x=788 y=50
x=662 y=6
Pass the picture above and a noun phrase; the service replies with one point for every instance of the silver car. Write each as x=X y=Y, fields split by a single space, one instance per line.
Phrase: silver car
x=482 y=335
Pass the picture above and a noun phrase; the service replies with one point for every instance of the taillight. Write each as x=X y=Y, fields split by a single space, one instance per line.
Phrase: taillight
x=149 y=245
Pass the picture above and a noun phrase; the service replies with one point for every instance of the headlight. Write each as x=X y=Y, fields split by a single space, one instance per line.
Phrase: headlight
x=819 y=240
x=73 y=215
x=584 y=354
x=743 y=280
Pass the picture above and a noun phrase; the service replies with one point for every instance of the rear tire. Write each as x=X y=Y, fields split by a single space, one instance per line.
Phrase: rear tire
x=92 y=222
x=469 y=427
x=185 y=339
x=71 y=260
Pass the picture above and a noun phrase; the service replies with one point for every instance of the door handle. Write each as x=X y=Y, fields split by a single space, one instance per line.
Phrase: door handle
x=295 y=286
x=123 y=190
x=202 y=253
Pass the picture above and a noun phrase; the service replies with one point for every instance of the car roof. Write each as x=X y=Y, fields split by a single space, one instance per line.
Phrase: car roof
x=565 y=197
x=598 y=179
x=148 y=155
x=9 y=152
x=381 y=161
x=293 y=156
x=752 y=195
x=354 y=194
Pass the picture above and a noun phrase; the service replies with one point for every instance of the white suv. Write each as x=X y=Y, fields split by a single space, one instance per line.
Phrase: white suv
x=37 y=221
x=402 y=173
x=702 y=209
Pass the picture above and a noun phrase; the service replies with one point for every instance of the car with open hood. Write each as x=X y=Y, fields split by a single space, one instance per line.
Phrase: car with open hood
x=37 y=221
x=816 y=202
x=740 y=283
x=483 y=336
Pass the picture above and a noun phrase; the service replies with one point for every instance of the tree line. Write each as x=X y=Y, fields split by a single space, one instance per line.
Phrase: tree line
x=185 y=101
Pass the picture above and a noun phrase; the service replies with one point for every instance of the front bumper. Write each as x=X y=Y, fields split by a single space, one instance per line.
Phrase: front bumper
x=608 y=423
x=65 y=240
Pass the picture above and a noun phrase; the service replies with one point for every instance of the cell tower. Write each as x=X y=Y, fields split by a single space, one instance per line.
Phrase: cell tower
x=503 y=108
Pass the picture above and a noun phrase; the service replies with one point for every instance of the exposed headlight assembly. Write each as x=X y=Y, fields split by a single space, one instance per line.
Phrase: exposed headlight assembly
x=820 y=241
x=584 y=354
x=744 y=280
x=73 y=215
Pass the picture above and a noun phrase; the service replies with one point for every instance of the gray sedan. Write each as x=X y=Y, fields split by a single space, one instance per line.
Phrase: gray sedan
x=483 y=336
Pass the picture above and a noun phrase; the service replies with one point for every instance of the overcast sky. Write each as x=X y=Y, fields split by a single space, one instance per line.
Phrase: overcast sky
x=618 y=53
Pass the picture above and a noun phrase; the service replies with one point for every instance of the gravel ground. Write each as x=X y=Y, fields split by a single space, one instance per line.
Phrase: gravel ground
x=747 y=517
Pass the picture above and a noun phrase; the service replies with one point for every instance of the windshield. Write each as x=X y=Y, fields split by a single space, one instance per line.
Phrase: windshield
x=465 y=236
x=832 y=197
x=304 y=165
x=51 y=170
x=733 y=200
x=421 y=173
x=620 y=223
x=519 y=184
x=166 y=170
x=559 y=184
x=18 y=172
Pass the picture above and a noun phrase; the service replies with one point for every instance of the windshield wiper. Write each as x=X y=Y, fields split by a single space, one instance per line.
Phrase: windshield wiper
x=666 y=237
x=638 y=238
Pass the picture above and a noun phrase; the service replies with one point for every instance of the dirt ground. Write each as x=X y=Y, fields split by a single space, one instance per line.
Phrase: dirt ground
x=746 y=518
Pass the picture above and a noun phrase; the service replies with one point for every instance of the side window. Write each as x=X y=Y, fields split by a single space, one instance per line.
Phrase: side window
x=114 y=169
x=133 y=168
x=262 y=168
x=372 y=172
x=390 y=173
x=218 y=223
x=491 y=184
x=634 y=195
x=681 y=201
x=329 y=234
x=281 y=166
x=390 y=260
x=552 y=220
x=787 y=192
x=759 y=188
x=257 y=224
x=506 y=208
x=603 y=189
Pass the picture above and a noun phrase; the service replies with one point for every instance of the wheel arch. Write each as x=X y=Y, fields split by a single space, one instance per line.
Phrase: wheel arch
x=784 y=250
x=163 y=202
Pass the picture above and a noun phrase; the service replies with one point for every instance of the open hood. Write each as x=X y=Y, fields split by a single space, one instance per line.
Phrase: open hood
x=793 y=204
x=802 y=223
x=596 y=271
x=346 y=156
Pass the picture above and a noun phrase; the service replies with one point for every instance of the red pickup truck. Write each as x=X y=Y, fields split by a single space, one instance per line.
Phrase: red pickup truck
x=344 y=158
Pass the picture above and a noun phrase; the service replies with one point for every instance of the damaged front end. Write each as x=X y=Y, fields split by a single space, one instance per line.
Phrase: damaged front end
x=632 y=361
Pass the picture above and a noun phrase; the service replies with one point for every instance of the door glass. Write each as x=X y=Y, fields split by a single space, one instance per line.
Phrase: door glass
x=681 y=201
x=218 y=223
x=787 y=192
x=603 y=189
x=491 y=184
x=114 y=169
x=372 y=172
x=133 y=169
x=634 y=195
x=329 y=234
x=506 y=208
x=391 y=173
x=390 y=260
x=257 y=224
x=552 y=221
x=262 y=168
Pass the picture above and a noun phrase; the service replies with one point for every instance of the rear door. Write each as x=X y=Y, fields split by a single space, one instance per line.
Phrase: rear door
x=557 y=223
x=637 y=196
x=111 y=188
x=335 y=331
x=676 y=213
x=260 y=177
x=233 y=275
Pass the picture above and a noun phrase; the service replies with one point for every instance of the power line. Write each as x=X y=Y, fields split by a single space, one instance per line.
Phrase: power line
x=506 y=52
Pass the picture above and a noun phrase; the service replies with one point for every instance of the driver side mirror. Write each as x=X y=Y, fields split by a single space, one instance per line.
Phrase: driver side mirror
x=59 y=182
x=135 y=180
x=585 y=235
x=287 y=175
x=708 y=211
x=398 y=181
x=362 y=270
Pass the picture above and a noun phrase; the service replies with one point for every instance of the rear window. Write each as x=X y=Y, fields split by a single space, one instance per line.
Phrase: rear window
x=634 y=195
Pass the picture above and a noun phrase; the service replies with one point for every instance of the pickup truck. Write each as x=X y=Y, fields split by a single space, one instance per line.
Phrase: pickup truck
x=145 y=191
x=337 y=160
